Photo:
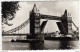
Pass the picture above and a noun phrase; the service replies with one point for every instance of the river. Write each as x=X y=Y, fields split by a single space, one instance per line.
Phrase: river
x=48 y=44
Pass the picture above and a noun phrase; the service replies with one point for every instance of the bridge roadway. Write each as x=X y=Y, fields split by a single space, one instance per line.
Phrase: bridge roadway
x=14 y=34
x=22 y=34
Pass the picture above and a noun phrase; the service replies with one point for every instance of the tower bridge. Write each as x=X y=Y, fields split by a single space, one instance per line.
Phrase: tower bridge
x=65 y=24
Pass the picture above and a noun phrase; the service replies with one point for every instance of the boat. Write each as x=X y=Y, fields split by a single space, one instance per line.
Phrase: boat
x=62 y=38
x=12 y=40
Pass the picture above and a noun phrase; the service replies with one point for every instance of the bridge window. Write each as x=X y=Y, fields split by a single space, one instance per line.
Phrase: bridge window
x=69 y=24
x=69 y=19
x=37 y=20
x=37 y=25
x=37 y=30
x=37 y=14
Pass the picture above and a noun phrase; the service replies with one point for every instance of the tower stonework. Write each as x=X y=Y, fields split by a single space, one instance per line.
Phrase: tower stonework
x=67 y=23
x=35 y=29
x=69 y=19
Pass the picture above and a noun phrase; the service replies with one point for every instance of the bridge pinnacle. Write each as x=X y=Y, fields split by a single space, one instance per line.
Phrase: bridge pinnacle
x=65 y=13
x=35 y=10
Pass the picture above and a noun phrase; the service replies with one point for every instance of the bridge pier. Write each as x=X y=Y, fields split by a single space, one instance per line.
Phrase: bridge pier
x=35 y=29
x=65 y=26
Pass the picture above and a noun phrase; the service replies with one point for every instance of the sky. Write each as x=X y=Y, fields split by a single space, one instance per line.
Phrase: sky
x=54 y=8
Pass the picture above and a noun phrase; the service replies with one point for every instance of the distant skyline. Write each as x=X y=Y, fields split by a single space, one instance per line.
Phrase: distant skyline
x=55 y=8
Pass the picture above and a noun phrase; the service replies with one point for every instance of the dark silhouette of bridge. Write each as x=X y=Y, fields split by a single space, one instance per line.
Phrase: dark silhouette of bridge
x=36 y=30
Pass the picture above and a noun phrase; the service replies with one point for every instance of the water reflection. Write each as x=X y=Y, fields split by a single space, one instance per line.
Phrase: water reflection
x=47 y=45
x=37 y=46
x=54 y=45
x=68 y=44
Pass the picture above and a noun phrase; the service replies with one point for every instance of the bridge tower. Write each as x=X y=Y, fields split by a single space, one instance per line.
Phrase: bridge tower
x=35 y=29
x=67 y=23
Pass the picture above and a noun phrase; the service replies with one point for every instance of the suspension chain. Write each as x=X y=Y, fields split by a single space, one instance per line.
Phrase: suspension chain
x=18 y=28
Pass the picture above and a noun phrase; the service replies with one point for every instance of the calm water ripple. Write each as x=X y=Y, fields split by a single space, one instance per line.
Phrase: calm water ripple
x=48 y=44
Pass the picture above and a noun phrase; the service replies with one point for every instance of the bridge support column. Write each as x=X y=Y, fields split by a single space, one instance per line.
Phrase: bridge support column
x=69 y=19
x=67 y=23
x=35 y=29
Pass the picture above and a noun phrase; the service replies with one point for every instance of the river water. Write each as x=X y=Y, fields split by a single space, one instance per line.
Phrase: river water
x=48 y=44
